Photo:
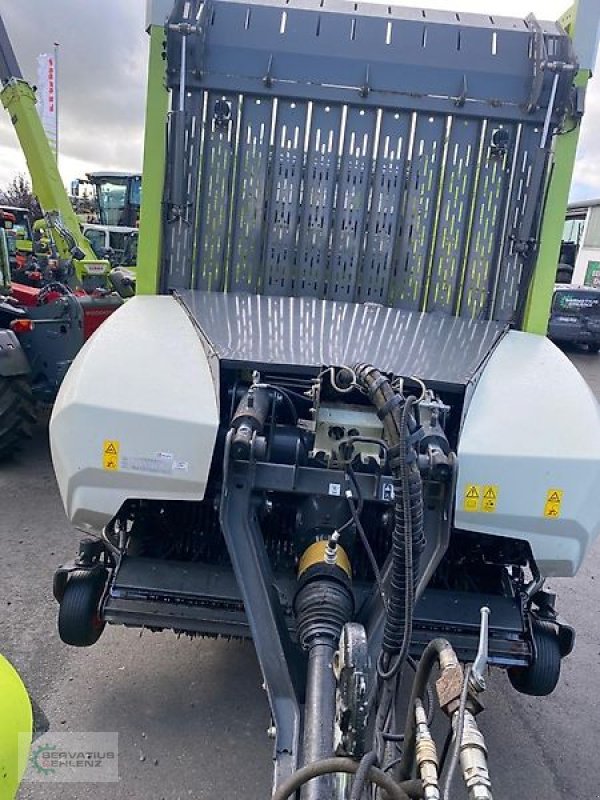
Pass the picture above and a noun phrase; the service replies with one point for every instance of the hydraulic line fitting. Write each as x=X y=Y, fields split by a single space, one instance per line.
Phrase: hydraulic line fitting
x=449 y=684
x=473 y=760
x=426 y=755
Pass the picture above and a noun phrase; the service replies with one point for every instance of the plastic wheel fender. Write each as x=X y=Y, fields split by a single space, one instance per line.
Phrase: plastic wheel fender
x=16 y=728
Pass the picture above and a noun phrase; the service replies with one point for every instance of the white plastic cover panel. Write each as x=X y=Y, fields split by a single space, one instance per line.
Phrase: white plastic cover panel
x=136 y=416
x=529 y=454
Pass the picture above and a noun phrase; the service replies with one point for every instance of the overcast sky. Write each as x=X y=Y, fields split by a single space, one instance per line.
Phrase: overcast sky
x=102 y=74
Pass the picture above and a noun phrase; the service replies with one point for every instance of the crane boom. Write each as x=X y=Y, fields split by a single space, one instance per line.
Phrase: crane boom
x=19 y=99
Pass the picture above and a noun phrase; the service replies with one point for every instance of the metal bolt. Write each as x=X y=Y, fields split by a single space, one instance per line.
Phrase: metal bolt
x=271 y=731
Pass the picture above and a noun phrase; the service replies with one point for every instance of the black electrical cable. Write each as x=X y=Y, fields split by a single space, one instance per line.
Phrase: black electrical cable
x=282 y=393
x=366 y=544
x=351 y=475
x=411 y=790
x=350 y=440
x=355 y=512
x=296 y=395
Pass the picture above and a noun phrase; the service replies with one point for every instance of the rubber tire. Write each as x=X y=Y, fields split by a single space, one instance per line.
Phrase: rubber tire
x=539 y=679
x=17 y=414
x=78 y=621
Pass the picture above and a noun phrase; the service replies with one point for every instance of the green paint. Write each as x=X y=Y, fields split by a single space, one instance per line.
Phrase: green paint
x=155 y=143
x=592 y=274
x=19 y=99
x=565 y=148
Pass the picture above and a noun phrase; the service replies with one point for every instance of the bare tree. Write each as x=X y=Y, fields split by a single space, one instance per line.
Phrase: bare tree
x=18 y=193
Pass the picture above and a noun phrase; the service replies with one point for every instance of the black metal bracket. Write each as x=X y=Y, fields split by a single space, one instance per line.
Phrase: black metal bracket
x=277 y=655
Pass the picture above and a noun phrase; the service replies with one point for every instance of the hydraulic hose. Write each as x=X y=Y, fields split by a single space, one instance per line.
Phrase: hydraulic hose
x=431 y=656
x=408 y=536
x=367 y=761
x=410 y=790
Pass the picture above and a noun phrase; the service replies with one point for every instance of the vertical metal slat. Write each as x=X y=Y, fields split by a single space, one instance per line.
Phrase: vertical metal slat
x=179 y=228
x=384 y=217
x=351 y=203
x=215 y=197
x=511 y=264
x=317 y=203
x=487 y=218
x=283 y=208
x=412 y=262
x=249 y=195
x=453 y=215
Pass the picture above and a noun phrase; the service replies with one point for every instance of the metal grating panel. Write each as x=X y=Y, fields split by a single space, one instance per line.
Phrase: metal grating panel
x=361 y=153
x=489 y=208
x=319 y=189
x=282 y=218
x=511 y=264
x=384 y=218
x=351 y=203
x=249 y=195
x=180 y=241
x=453 y=213
x=215 y=195
x=411 y=267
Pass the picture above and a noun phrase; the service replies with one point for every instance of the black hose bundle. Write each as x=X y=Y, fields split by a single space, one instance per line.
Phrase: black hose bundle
x=408 y=539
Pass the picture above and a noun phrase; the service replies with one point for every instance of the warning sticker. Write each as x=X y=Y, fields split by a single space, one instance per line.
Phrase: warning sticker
x=553 y=503
x=489 y=499
x=472 y=497
x=110 y=454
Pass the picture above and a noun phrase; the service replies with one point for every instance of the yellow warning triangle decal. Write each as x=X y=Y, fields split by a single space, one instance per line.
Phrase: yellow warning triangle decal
x=111 y=450
x=472 y=493
x=554 y=498
x=490 y=494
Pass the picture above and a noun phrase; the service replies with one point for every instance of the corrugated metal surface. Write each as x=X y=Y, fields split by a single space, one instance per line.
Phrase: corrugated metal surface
x=307 y=332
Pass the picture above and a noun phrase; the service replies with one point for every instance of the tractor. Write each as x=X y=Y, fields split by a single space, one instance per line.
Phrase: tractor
x=49 y=306
x=41 y=331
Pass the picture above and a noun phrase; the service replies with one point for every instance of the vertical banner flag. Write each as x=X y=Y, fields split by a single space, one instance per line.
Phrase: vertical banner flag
x=46 y=102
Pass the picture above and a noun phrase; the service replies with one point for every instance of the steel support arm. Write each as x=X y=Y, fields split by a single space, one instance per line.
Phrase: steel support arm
x=9 y=66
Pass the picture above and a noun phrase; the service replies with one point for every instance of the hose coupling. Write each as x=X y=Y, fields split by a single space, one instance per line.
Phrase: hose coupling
x=450 y=682
x=426 y=755
x=473 y=760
